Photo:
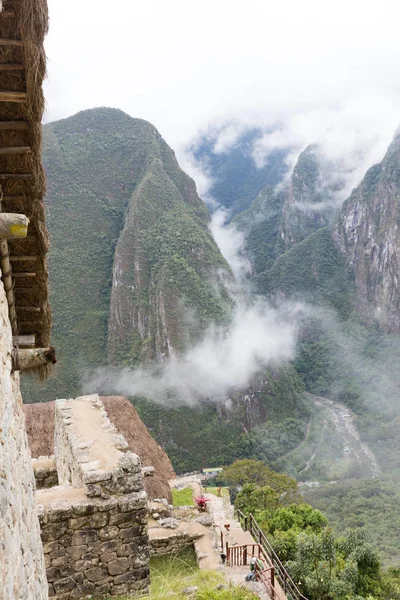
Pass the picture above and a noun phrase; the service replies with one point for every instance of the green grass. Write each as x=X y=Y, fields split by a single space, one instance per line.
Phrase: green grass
x=182 y=497
x=214 y=490
x=171 y=574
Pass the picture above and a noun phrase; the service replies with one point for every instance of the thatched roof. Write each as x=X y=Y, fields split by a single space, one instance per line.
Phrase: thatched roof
x=39 y=421
x=23 y=25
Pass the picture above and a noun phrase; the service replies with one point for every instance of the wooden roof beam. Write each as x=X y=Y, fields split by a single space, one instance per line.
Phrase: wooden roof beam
x=23 y=257
x=6 y=96
x=13 y=124
x=11 y=66
x=8 y=42
x=16 y=176
x=15 y=150
x=28 y=290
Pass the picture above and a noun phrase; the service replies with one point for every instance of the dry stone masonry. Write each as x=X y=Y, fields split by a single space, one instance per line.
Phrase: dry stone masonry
x=45 y=472
x=22 y=574
x=94 y=524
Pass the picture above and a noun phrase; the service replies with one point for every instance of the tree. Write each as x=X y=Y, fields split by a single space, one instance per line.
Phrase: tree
x=253 y=499
x=258 y=473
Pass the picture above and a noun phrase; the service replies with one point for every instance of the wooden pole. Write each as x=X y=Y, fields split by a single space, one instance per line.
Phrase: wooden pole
x=26 y=359
x=13 y=226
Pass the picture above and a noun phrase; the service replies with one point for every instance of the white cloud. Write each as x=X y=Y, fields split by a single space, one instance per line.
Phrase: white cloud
x=224 y=359
x=231 y=244
x=182 y=65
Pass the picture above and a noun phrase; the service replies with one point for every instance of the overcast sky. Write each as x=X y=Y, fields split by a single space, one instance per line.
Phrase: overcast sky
x=315 y=65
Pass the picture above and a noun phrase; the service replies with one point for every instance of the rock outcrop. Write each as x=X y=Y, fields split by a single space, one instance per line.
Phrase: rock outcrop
x=367 y=233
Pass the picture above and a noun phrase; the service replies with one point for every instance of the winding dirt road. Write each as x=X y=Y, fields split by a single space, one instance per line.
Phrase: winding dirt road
x=342 y=419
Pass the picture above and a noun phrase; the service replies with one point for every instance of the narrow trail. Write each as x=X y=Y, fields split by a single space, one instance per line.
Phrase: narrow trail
x=317 y=449
x=301 y=443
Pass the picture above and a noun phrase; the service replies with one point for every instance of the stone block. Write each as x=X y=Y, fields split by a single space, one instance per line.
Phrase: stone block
x=108 y=546
x=107 y=556
x=76 y=552
x=125 y=550
x=108 y=533
x=50 y=546
x=96 y=574
x=130 y=462
x=85 y=565
x=63 y=585
x=119 y=518
x=52 y=574
x=61 y=512
x=60 y=561
x=84 y=509
x=133 y=502
x=84 y=537
x=53 y=532
x=118 y=566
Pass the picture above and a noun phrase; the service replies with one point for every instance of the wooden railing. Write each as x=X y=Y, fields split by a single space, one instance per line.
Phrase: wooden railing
x=280 y=574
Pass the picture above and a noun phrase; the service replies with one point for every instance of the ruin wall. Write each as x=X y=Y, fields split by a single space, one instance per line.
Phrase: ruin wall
x=94 y=524
x=22 y=568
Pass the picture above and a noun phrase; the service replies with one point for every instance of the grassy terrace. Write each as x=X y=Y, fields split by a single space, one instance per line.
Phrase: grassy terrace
x=171 y=575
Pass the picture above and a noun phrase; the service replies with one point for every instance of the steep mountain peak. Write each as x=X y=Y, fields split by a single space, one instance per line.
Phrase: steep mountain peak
x=116 y=195
x=308 y=200
x=367 y=233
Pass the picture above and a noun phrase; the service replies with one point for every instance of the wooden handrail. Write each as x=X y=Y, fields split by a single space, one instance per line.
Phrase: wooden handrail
x=281 y=574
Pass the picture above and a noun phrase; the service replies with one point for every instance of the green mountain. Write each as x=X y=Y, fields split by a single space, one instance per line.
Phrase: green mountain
x=136 y=277
x=117 y=200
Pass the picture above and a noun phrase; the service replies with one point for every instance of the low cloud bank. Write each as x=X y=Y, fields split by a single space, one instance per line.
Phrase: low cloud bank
x=225 y=358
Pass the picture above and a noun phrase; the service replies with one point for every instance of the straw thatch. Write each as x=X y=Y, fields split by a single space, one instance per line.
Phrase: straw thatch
x=39 y=422
x=25 y=21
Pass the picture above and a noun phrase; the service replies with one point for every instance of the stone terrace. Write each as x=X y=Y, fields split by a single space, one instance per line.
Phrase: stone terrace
x=94 y=524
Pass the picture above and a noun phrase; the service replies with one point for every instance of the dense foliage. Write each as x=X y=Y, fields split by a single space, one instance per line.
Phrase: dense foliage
x=325 y=566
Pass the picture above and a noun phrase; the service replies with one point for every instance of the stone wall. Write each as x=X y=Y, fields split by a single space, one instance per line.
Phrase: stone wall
x=95 y=546
x=94 y=525
x=45 y=472
x=22 y=569
x=171 y=544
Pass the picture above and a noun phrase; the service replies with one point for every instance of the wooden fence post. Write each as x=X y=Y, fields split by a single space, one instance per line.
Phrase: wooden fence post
x=272 y=583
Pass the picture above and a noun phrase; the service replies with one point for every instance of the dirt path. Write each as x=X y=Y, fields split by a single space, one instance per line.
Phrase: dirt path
x=317 y=449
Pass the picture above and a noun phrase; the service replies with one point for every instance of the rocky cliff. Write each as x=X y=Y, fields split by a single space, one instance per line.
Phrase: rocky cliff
x=367 y=234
